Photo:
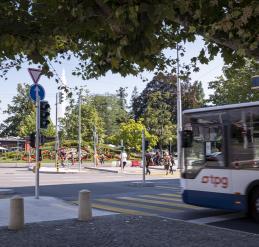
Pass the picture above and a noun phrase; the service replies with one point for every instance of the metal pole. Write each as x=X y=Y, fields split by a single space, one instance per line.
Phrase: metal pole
x=57 y=141
x=79 y=132
x=94 y=134
x=179 y=114
x=37 y=177
x=143 y=156
x=122 y=148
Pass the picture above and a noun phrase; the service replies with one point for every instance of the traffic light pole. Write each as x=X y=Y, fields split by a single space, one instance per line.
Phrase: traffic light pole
x=57 y=141
x=95 y=153
x=79 y=133
x=143 y=156
x=37 y=177
x=179 y=114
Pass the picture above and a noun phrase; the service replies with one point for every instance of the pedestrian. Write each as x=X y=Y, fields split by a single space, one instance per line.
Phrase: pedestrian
x=157 y=158
x=123 y=158
x=96 y=156
x=172 y=165
x=149 y=162
x=167 y=162
x=102 y=159
x=72 y=158
x=63 y=157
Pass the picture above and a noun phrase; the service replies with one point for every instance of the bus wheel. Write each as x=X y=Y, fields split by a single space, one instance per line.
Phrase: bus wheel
x=254 y=205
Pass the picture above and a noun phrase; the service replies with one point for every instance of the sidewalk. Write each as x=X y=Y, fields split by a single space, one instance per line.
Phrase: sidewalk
x=155 y=170
x=124 y=231
x=44 y=209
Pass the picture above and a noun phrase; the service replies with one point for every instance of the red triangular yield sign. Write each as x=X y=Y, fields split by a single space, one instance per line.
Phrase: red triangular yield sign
x=35 y=74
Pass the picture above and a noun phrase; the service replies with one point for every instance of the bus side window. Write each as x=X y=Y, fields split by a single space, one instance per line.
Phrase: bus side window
x=187 y=138
x=243 y=148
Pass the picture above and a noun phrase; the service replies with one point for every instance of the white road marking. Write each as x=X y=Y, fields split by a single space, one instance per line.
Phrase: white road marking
x=213 y=219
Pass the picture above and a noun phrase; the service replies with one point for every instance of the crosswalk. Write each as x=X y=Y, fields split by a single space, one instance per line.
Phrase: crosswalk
x=154 y=204
x=167 y=205
x=162 y=204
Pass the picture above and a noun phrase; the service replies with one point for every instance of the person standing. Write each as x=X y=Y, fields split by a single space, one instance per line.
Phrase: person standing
x=102 y=159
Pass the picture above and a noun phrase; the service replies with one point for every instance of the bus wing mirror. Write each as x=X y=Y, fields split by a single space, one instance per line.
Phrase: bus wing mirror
x=187 y=138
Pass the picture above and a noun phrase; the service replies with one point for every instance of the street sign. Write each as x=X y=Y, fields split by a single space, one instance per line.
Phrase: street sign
x=33 y=92
x=255 y=82
x=35 y=74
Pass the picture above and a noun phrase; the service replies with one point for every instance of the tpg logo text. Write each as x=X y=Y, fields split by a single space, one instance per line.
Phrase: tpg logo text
x=217 y=181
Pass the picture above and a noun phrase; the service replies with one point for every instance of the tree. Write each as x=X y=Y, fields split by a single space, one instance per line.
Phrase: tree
x=122 y=95
x=128 y=36
x=134 y=96
x=28 y=126
x=157 y=105
x=131 y=134
x=89 y=120
x=22 y=116
x=109 y=108
x=20 y=108
x=234 y=86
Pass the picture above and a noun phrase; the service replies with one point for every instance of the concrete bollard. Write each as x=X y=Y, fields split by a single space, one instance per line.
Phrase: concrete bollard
x=16 y=220
x=85 y=207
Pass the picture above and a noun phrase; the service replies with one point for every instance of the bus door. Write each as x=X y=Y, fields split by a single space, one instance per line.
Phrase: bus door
x=216 y=175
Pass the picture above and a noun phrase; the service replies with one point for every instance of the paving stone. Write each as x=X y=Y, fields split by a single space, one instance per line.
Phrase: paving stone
x=124 y=231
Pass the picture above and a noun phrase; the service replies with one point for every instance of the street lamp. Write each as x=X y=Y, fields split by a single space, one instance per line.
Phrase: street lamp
x=179 y=114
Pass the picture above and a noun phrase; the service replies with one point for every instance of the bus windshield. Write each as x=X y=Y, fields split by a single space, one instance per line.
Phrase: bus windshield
x=226 y=138
x=206 y=147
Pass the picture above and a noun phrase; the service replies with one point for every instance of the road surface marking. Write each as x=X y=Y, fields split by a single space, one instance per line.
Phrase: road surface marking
x=171 y=195
x=139 y=205
x=179 y=205
x=120 y=210
x=168 y=188
x=213 y=219
x=162 y=198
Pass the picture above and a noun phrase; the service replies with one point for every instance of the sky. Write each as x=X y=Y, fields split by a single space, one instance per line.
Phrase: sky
x=106 y=84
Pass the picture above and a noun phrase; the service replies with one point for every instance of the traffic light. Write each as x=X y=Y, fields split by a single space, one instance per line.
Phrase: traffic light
x=60 y=97
x=40 y=155
x=32 y=139
x=44 y=114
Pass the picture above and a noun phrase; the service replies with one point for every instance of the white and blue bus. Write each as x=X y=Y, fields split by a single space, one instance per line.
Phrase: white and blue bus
x=221 y=157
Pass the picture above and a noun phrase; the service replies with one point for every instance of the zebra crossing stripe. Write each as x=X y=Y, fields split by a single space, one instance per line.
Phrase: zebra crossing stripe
x=162 y=198
x=171 y=195
x=213 y=219
x=121 y=210
x=139 y=205
x=173 y=204
x=168 y=187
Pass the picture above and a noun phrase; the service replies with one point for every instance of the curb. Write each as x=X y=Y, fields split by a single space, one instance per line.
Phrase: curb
x=55 y=172
x=100 y=169
x=6 y=191
x=141 y=184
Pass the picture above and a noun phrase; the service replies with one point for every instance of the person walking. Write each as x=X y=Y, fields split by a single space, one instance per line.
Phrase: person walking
x=149 y=162
x=157 y=158
x=172 y=164
x=63 y=157
x=167 y=162
x=123 y=159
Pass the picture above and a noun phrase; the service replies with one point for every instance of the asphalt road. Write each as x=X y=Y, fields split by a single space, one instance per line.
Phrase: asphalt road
x=114 y=192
